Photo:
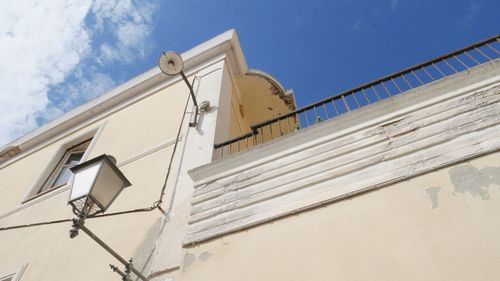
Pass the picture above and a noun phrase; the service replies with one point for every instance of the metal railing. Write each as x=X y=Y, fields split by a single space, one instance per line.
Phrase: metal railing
x=394 y=84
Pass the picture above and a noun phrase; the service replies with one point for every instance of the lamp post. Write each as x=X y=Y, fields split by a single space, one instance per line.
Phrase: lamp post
x=96 y=184
x=172 y=64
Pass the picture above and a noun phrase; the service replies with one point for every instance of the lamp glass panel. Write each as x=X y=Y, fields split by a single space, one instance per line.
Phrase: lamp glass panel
x=107 y=186
x=83 y=180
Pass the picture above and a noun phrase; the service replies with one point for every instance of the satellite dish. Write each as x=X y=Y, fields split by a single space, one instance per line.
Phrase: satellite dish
x=171 y=63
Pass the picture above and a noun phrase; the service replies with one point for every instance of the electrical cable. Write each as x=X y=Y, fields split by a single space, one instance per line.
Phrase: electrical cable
x=156 y=204
x=176 y=142
x=34 y=224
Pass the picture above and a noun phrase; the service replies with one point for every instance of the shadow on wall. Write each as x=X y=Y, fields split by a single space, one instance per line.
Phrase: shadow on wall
x=145 y=250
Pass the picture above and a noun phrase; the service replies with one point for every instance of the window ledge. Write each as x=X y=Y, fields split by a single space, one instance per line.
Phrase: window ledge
x=38 y=195
x=36 y=199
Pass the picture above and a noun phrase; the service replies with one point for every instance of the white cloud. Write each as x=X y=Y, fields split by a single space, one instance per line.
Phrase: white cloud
x=107 y=53
x=88 y=84
x=129 y=24
x=44 y=43
x=39 y=44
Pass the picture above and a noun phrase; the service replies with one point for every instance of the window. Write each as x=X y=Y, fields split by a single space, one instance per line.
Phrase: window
x=61 y=174
x=55 y=173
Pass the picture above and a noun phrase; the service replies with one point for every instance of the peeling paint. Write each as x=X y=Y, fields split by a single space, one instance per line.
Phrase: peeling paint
x=432 y=192
x=469 y=179
x=204 y=256
x=188 y=261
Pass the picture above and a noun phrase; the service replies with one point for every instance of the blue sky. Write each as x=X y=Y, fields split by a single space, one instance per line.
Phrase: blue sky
x=74 y=51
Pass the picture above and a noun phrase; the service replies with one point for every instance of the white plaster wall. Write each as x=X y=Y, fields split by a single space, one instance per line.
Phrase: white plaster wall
x=442 y=225
x=213 y=85
x=444 y=123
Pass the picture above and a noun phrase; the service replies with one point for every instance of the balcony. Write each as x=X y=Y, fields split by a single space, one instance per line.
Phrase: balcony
x=378 y=134
x=371 y=93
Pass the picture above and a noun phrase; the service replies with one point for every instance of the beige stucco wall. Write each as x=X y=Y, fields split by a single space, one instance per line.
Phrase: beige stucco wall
x=259 y=98
x=441 y=225
x=238 y=122
x=137 y=123
x=253 y=100
x=140 y=135
x=135 y=130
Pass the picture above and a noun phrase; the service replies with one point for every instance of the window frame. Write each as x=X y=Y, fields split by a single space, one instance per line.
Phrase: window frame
x=33 y=194
x=56 y=171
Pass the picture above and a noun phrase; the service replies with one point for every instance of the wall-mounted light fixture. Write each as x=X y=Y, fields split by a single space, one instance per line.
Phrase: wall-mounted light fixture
x=96 y=184
x=172 y=64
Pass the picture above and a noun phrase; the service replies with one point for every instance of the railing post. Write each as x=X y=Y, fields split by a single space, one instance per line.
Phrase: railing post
x=424 y=69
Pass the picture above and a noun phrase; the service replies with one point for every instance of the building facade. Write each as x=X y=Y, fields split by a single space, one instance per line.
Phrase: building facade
x=405 y=187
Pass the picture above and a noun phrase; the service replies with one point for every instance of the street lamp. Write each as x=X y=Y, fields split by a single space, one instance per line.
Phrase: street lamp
x=96 y=184
x=172 y=64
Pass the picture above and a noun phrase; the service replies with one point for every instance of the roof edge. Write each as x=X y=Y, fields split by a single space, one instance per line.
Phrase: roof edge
x=227 y=42
x=286 y=95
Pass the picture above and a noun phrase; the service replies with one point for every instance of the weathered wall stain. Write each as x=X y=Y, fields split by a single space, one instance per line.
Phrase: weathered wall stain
x=188 y=261
x=204 y=256
x=469 y=179
x=432 y=192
